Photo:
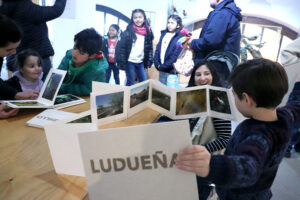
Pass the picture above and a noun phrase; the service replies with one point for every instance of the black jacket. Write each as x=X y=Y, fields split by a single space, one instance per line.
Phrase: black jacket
x=32 y=19
x=171 y=54
x=7 y=92
x=124 y=48
x=104 y=48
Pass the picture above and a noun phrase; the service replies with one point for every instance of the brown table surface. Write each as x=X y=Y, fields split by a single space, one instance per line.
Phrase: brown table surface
x=26 y=169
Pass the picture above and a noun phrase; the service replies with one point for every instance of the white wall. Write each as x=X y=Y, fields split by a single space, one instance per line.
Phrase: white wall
x=84 y=12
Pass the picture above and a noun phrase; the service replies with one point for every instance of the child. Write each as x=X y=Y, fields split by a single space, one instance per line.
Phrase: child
x=255 y=150
x=167 y=52
x=84 y=63
x=30 y=72
x=10 y=38
x=135 y=47
x=109 y=49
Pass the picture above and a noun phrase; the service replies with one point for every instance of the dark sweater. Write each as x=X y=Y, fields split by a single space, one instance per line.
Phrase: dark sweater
x=253 y=155
x=6 y=91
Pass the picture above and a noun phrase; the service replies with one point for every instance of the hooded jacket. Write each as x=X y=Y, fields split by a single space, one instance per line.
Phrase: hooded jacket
x=78 y=81
x=171 y=54
x=221 y=31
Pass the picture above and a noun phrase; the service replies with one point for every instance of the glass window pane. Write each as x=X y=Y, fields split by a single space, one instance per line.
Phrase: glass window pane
x=99 y=26
x=123 y=25
x=110 y=19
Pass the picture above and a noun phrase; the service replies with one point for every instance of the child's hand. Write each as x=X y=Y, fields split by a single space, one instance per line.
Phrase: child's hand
x=10 y=113
x=195 y=159
x=27 y=95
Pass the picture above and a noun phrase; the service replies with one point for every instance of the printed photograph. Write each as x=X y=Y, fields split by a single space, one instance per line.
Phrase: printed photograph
x=161 y=99
x=52 y=86
x=191 y=102
x=85 y=119
x=109 y=104
x=65 y=98
x=27 y=103
x=219 y=101
x=139 y=95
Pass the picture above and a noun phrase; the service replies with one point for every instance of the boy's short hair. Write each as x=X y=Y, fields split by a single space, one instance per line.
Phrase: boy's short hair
x=88 y=41
x=264 y=81
x=10 y=31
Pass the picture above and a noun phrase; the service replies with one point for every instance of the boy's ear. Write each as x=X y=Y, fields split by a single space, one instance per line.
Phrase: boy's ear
x=250 y=102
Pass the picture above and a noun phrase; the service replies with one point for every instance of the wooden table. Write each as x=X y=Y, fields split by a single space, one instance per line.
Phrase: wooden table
x=26 y=169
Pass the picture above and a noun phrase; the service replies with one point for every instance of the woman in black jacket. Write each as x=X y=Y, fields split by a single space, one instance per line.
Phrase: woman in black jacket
x=32 y=19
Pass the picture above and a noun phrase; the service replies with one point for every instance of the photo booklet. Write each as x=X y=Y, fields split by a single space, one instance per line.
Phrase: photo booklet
x=48 y=97
x=111 y=103
x=48 y=92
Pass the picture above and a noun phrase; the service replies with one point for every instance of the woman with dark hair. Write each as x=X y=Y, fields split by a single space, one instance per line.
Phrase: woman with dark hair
x=135 y=50
x=211 y=69
x=213 y=133
x=167 y=52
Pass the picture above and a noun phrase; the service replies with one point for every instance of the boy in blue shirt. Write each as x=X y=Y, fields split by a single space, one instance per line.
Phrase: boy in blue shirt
x=252 y=157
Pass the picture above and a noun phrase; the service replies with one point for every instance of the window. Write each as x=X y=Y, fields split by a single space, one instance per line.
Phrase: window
x=106 y=16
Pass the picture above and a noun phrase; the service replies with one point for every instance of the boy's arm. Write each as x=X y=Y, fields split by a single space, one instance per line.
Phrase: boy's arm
x=241 y=170
x=195 y=159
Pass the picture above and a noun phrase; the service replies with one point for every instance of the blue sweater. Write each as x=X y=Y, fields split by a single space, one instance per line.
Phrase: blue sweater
x=253 y=155
x=221 y=31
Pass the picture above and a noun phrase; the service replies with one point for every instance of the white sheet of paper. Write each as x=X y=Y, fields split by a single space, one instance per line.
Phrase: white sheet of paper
x=150 y=180
x=64 y=146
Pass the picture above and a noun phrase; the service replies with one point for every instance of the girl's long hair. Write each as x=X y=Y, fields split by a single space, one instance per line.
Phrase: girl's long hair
x=130 y=25
x=215 y=76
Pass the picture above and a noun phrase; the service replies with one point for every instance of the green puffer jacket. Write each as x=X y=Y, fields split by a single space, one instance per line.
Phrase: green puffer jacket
x=78 y=81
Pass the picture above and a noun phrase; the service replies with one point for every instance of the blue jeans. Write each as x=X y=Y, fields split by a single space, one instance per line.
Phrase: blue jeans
x=112 y=67
x=134 y=69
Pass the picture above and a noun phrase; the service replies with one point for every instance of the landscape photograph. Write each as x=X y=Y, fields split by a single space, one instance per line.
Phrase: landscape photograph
x=85 y=119
x=161 y=99
x=52 y=86
x=191 y=102
x=65 y=98
x=109 y=104
x=139 y=95
x=219 y=101
x=27 y=103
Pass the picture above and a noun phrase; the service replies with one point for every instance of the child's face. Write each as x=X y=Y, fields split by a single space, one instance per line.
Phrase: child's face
x=32 y=68
x=79 y=57
x=9 y=49
x=241 y=105
x=112 y=32
x=203 y=76
x=172 y=25
x=138 y=19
